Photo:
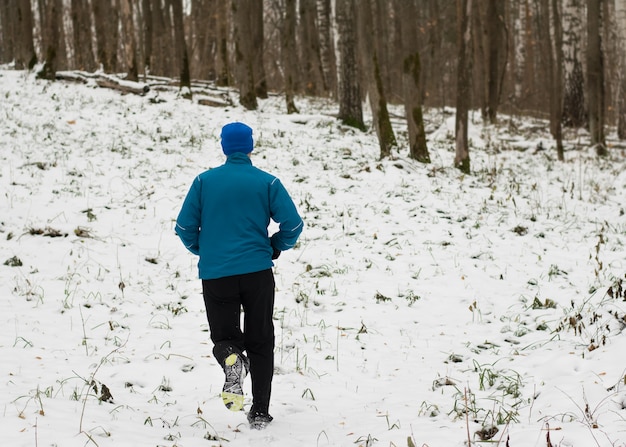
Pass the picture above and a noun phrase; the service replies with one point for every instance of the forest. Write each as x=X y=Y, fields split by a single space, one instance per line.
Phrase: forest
x=561 y=60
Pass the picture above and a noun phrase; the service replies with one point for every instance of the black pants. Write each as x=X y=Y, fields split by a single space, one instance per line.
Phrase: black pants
x=224 y=298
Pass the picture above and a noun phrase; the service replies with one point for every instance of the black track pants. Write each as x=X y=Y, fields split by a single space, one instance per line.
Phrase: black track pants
x=224 y=298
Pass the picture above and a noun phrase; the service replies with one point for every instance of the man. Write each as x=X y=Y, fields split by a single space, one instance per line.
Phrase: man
x=224 y=220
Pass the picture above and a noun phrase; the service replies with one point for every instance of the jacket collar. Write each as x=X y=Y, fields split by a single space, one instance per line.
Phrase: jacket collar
x=238 y=158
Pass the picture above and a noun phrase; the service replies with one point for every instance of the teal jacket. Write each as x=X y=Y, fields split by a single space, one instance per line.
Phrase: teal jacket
x=225 y=216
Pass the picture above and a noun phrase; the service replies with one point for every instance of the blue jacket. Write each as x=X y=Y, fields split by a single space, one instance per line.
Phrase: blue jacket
x=225 y=216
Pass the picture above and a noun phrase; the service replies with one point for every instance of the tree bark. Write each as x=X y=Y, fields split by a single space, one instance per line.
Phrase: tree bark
x=223 y=67
x=107 y=34
x=289 y=54
x=557 y=112
x=312 y=77
x=595 y=70
x=147 y=35
x=349 y=86
x=620 y=18
x=243 y=53
x=574 y=112
x=52 y=41
x=462 y=157
x=130 y=45
x=256 y=45
x=495 y=40
x=327 y=48
x=411 y=86
x=81 y=23
x=181 y=48
x=374 y=81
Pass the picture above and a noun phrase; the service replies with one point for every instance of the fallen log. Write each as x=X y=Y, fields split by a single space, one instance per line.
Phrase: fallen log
x=137 y=88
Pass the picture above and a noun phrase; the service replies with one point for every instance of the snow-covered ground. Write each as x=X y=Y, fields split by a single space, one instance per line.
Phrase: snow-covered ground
x=420 y=307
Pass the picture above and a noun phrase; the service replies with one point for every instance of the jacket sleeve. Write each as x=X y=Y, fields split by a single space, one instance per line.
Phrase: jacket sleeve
x=284 y=212
x=188 y=220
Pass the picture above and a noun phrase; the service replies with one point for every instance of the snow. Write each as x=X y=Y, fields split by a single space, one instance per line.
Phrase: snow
x=419 y=302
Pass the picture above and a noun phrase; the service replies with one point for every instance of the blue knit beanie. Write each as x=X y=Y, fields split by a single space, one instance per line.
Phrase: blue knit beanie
x=236 y=137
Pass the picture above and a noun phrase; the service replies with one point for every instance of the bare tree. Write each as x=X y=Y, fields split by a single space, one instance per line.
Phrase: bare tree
x=257 y=45
x=244 y=62
x=310 y=63
x=595 y=71
x=462 y=157
x=130 y=45
x=7 y=23
x=620 y=19
x=53 y=44
x=411 y=86
x=372 y=75
x=350 y=104
x=181 y=47
x=327 y=49
x=81 y=24
x=574 y=113
x=223 y=69
x=289 y=55
x=496 y=40
x=147 y=34
x=107 y=34
x=26 y=57
x=556 y=117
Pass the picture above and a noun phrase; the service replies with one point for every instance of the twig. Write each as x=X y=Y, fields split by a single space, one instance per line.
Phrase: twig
x=469 y=439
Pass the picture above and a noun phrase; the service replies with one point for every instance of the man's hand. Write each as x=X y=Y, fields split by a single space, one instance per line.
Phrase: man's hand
x=275 y=254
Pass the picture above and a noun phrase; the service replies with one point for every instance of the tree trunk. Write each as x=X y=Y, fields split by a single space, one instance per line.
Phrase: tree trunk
x=7 y=23
x=181 y=48
x=107 y=34
x=462 y=158
x=243 y=53
x=374 y=81
x=350 y=105
x=557 y=91
x=519 y=57
x=327 y=49
x=311 y=75
x=223 y=70
x=289 y=54
x=147 y=35
x=574 y=113
x=51 y=38
x=25 y=56
x=595 y=71
x=494 y=36
x=130 y=46
x=256 y=45
x=620 y=19
x=411 y=87
x=544 y=27
x=81 y=23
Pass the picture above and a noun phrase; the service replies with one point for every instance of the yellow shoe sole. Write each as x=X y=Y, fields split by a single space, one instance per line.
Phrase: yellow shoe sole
x=232 y=401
